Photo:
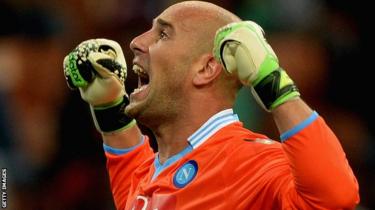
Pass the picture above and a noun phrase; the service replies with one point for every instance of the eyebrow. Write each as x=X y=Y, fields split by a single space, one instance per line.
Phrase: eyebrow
x=164 y=23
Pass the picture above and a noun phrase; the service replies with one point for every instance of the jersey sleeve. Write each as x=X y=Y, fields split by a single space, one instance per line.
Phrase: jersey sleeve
x=121 y=163
x=322 y=177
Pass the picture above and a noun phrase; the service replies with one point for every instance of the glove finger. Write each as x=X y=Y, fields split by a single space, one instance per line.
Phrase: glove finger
x=102 y=71
x=227 y=56
x=85 y=69
x=109 y=47
x=76 y=73
x=236 y=58
x=106 y=66
x=108 y=50
x=68 y=78
x=112 y=49
x=78 y=70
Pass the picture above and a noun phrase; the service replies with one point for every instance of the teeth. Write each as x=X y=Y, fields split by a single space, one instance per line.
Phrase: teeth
x=141 y=74
x=139 y=70
x=139 y=89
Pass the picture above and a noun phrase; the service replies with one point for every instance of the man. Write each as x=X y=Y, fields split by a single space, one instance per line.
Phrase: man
x=191 y=64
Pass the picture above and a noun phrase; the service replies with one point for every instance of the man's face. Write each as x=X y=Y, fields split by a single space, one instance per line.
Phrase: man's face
x=163 y=57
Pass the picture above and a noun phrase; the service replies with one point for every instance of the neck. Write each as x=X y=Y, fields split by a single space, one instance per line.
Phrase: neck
x=172 y=136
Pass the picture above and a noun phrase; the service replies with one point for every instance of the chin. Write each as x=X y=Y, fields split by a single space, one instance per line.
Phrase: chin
x=137 y=110
x=132 y=111
x=144 y=116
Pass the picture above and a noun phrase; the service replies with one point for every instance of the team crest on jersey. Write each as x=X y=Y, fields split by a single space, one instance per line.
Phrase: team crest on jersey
x=185 y=174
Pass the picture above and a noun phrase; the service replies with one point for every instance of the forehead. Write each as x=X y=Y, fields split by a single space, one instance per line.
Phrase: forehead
x=186 y=18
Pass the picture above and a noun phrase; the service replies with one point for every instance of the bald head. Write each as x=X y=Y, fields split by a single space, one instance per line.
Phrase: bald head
x=201 y=20
x=205 y=11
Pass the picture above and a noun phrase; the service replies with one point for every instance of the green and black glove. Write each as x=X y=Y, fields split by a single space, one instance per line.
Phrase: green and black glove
x=243 y=50
x=97 y=67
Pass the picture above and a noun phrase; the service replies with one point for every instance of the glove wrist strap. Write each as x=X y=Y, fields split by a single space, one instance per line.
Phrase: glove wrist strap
x=275 y=89
x=112 y=118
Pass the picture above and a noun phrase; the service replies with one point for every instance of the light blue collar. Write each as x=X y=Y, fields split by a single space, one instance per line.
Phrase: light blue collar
x=212 y=125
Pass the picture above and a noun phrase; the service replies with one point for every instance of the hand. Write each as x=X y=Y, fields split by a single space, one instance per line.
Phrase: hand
x=243 y=50
x=97 y=68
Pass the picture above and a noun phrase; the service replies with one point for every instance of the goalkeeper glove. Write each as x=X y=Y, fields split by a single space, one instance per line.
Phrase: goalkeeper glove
x=97 y=68
x=243 y=50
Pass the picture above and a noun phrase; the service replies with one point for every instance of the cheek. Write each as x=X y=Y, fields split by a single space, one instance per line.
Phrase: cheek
x=169 y=65
x=170 y=53
x=160 y=56
x=163 y=64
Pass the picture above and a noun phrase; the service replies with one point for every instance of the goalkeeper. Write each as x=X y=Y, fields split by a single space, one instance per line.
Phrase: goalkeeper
x=191 y=64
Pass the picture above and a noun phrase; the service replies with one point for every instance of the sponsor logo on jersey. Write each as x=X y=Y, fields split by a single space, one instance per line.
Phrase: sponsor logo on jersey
x=185 y=174
x=156 y=202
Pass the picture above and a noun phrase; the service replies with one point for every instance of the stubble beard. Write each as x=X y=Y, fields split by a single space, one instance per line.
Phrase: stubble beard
x=156 y=112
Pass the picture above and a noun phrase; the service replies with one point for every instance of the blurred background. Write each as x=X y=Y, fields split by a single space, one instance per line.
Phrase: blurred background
x=53 y=154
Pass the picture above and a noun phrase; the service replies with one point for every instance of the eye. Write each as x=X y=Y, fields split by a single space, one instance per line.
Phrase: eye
x=163 y=35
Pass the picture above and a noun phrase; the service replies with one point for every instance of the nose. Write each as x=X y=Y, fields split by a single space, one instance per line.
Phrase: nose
x=141 y=43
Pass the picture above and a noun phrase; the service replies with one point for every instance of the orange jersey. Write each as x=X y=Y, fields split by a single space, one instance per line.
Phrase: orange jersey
x=227 y=166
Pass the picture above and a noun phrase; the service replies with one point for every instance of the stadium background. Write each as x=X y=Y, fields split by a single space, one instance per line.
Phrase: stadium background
x=48 y=144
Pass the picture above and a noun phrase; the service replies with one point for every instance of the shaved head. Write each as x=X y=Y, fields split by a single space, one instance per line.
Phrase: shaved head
x=205 y=12
x=202 y=20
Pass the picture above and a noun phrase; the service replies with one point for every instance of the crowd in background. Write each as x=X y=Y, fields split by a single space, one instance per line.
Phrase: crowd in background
x=52 y=152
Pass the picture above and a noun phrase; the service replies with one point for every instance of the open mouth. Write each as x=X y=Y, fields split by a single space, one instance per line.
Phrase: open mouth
x=143 y=79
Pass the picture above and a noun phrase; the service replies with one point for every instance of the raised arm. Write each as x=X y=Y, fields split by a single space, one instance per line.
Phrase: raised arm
x=323 y=178
x=97 y=68
x=322 y=174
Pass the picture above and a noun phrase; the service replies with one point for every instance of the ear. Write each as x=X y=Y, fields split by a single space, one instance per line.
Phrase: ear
x=208 y=70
